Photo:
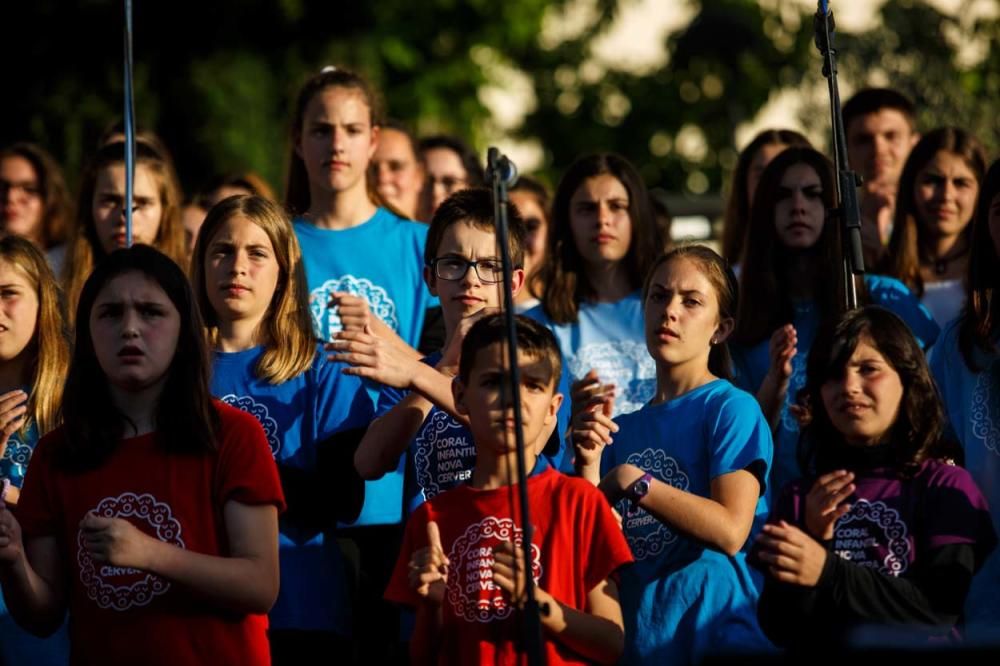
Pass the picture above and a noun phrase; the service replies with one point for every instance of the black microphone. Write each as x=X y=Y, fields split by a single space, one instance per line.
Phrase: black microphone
x=502 y=166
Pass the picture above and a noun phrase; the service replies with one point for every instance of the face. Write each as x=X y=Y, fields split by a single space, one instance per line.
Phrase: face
x=945 y=194
x=994 y=222
x=878 y=144
x=18 y=310
x=21 y=198
x=135 y=328
x=599 y=218
x=482 y=399
x=682 y=315
x=398 y=174
x=445 y=175
x=337 y=140
x=800 y=212
x=760 y=160
x=537 y=227
x=863 y=403
x=241 y=271
x=469 y=294
x=109 y=207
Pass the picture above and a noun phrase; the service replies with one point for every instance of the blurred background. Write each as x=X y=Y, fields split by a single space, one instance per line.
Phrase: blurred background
x=677 y=86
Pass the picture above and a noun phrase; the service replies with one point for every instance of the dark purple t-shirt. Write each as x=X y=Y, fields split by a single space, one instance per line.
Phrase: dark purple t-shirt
x=894 y=520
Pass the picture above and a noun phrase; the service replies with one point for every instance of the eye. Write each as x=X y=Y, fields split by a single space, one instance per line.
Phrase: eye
x=491 y=265
x=692 y=302
x=656 y=297
x=453 y=263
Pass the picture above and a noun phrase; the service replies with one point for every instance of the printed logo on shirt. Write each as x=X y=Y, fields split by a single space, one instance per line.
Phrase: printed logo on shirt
x=326 y=321
x=258 y=411
x=625 y=363
x=443 y=455
x=15 y=460
x=647 y=536
x=795 y=382
x=122 y=588
x=471 y=590
x=985 y=395
x=873 y=535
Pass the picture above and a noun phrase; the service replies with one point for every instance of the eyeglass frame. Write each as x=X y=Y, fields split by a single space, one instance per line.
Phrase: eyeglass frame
x=474 y=265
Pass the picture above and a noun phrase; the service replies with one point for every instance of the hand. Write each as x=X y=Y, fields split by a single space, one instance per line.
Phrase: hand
x=429 y=568
x=791 y=555
x=453 y=352
x=616 y=483
x=13 y=406
x=591 y=425
x=510 y=572
x=371 y=357
x=353 y=310
x=11 y=544
x=116 y=541
x=781 y=350
x=878 y=203
x=824 y=503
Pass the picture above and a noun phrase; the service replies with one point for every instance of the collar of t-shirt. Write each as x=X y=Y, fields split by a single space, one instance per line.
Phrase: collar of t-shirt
x=541 y=464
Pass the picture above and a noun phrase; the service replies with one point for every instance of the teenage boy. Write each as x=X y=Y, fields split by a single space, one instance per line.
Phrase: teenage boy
x=416 y=414
x=881 y=129
x=462 y=566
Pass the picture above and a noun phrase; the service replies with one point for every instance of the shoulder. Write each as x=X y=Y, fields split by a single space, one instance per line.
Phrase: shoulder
x=937 y=473
x=538 y=314
x=885 y=286
x=234 y=421
x=725 y=399
x=401 y=225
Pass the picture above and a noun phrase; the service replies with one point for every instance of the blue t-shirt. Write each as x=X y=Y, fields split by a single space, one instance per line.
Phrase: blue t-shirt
x=972 y=404
x=611 y=339
x=681 y=599
x=750 y=364
x=443 y=453
x=382 y=260
x=297 y=415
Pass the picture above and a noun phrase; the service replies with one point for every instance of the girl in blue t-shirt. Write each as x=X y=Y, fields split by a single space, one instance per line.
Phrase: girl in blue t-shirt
x=34 y=353
x=686 y=472
x=792 y=281
x=602 y=240
x=879 y=543
x=247 y=277
x=966 y=365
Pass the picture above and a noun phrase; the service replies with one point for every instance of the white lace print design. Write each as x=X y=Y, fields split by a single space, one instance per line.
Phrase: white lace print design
x=625 y=363
x=985 y=408
x=258 y=411
x=326 y=321
x=647 y=536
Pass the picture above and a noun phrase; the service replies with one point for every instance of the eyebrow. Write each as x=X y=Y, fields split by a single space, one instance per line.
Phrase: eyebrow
x=686 y=292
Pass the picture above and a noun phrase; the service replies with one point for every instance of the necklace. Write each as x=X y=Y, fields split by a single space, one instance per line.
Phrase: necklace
x=941 y=263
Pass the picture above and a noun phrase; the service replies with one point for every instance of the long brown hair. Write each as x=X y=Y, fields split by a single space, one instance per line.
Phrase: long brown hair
x=906 y=244
x=57 y=208
x=50 y=345
x=981 y=319
x=286 y=330
x=564 y=276
x=85 y=249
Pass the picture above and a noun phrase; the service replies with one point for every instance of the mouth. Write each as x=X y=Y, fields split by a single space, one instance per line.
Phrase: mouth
x=667 y=335
x=466 y=299
x=130 y=353
x=235 y=289
x=336 y=165
x=119 y=238
x=603 y=239
x=854 y=408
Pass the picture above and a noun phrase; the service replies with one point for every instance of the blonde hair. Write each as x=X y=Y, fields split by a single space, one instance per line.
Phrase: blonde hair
x=289 y=344
x=84 y=248
x=47 y=369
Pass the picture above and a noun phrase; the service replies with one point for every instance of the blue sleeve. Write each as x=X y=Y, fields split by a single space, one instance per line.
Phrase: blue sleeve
x=739 y=438
x=893 y=295
x=388 y=398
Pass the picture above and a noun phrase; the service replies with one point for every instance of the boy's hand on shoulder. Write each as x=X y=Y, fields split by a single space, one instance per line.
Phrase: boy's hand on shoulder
x=429 y=568
x=371 y=357
x=453 y=352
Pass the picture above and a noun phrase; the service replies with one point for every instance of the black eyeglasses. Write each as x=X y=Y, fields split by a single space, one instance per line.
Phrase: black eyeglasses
x=489 y=271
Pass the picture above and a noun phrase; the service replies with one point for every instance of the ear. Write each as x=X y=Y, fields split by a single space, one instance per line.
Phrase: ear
x=458 y=393
x=431 y=280
x=517 y=278
x=724 y=330
x=297 y=144
x=554 y=404
x=374 y=146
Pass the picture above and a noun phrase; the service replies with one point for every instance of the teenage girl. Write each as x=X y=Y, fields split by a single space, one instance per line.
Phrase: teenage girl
x=883 y=533
x=450 y=165
x=152 y=512
x=533 y=201
x=398 y=169
x=687 y=472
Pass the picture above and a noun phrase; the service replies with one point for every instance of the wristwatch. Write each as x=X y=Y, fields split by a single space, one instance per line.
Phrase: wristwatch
x=639 y=488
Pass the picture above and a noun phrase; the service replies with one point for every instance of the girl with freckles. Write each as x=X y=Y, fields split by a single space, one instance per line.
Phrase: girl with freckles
x=151 y=514
x=687 y=472
x=884 y=533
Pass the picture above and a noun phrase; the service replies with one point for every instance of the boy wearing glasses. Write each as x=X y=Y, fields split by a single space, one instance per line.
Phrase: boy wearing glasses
x=416 y=413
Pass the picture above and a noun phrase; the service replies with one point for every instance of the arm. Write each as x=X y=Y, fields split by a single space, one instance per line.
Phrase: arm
x=246 y=581
x=31 y=577
x=722 y=521
x=390 y=435
x=772 y=391
x=333 y=491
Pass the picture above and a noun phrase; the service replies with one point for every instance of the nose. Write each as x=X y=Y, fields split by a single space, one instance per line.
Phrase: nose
x=603 y=214
x=239 y=265
x=130 y=324
x=382 y=173
x=851 y=383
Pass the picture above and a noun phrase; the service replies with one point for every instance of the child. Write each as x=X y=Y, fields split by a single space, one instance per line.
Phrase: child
x=34 y=200
x=459 y=556
x=34 y=354
x=152 y=512
x=930 y=242
x=100 y=213
x=792 y=282
x=450 y=166
x=966 y=365
x=602 y=241
x=687 y=472
x=398 y=169
x=883 y=531
x=247 y=277
x=531 y=198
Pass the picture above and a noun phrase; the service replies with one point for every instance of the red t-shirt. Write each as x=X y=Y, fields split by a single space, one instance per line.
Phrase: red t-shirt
x=577 y=544
x=127 y=616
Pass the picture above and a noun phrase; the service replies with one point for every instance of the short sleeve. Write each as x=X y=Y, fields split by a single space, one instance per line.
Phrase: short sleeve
x=895 y=296
x=38 y=510
x=414 y=538
x=739 y=437
x=602 y=538
x=955 y=512
x=246 y=471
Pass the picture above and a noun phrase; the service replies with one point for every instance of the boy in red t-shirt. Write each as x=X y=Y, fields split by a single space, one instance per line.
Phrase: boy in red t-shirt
x=461 y=564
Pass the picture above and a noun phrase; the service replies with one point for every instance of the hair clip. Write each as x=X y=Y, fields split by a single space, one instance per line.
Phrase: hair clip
x=328 y=69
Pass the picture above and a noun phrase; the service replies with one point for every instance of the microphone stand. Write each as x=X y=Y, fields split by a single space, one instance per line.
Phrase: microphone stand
x=502 y=174
x=847 y=211
x=129 y=126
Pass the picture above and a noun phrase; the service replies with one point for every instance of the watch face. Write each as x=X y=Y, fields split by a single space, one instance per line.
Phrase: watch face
x=641 y=488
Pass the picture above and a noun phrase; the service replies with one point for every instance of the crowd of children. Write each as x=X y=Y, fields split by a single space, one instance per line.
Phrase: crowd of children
x=284 y=432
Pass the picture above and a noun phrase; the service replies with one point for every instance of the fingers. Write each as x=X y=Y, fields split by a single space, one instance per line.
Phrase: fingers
x=434 y=541
x=11 y=399
x=92 y=522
